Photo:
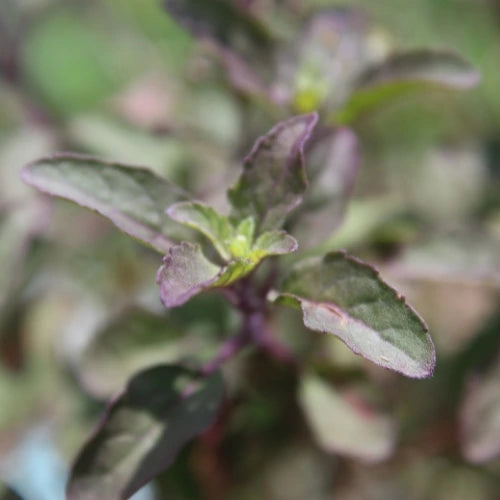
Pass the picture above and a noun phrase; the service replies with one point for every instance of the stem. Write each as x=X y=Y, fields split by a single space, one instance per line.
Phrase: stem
x=252 y=304
x=229 y=349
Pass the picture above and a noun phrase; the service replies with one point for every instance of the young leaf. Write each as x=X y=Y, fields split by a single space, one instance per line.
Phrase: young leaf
x=346 y=297
x=405 y=73
x=339 y=426
x=216 y=227
x=133 y=198
x=273 y=243
x=143 y=430
x=273 y=179
x=185 y=272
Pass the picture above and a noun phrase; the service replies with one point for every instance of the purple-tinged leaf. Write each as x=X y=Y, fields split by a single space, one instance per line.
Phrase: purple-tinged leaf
x=480 y=418
x=330 y=189
x=133 y=198
x=143 y=430
x=341 y=295
x=345 y=424
x=273 y=181
x=185 y=272
x=404 y=73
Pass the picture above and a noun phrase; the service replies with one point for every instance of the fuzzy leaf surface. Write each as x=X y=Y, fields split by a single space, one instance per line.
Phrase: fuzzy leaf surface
x=273 y=181
x=341 y=295
x=407 y=72
x=133 y=198
x=143 y=430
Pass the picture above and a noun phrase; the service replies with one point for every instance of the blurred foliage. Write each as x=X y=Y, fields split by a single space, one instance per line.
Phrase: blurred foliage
x=79 y=308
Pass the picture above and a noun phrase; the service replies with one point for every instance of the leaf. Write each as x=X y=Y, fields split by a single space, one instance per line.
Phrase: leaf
x=330 y=189
x=18 y=225
x=143 y=430
x=480 y=418
x=343 y=426
x=222 y=20
x=216 y=227
x=273 y=243
x=347 y=298
x=404 y=73
x=133 y=198
x=273 y=179
x=132 y=341
x=326 y=57
x=185 y=272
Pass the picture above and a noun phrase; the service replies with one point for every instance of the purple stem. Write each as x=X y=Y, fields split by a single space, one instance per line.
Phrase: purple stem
x=229 y=349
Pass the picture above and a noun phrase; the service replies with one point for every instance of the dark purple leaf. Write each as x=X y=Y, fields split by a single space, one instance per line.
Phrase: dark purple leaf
x=273 y=181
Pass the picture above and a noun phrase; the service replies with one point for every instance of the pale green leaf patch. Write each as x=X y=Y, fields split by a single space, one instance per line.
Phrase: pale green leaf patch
x=341 y=427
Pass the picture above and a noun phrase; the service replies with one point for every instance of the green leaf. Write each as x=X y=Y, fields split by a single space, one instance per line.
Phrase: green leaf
x=347 y=298
x=216 y=227
x=273 y=243
x=133 y=198
x=480 y=418
x=345 y=425
x=273 y=179
x=405 y=73
x=143 y=430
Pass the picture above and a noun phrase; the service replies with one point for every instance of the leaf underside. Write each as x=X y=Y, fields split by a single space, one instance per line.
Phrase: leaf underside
x=346 y=297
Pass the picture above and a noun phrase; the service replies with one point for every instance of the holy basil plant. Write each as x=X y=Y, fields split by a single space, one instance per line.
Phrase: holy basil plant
x=165 y=406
